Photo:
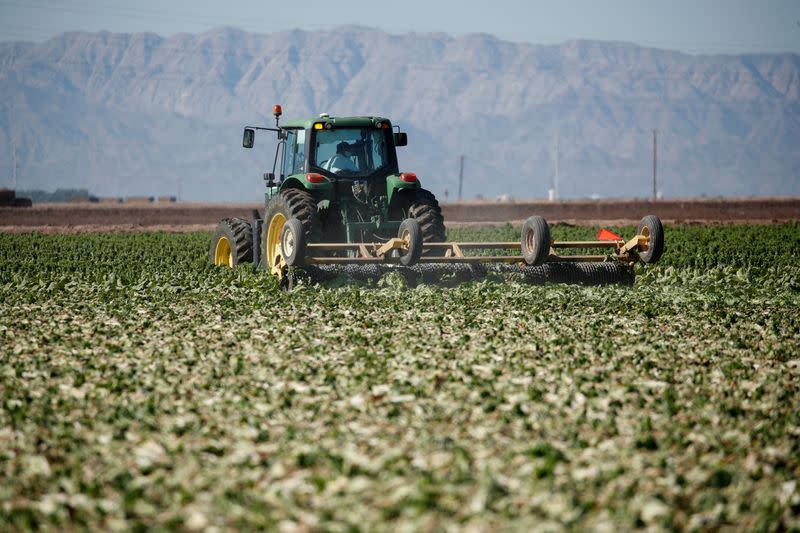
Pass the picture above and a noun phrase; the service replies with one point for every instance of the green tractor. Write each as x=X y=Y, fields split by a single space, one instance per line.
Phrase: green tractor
x=336 y=197
x=339 y=177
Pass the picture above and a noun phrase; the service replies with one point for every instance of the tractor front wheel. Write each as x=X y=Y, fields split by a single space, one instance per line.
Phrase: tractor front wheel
x=232 y=243
x=284 y=206
x=293 y=242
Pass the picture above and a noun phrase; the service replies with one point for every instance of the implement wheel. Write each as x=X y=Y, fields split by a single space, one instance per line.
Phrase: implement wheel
x=287 y=204
x=232 y=243
x=411 y=233
x=651 y=227
x=535 y=240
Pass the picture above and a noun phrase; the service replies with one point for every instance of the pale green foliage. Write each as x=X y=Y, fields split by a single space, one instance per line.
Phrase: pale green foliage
x=142 y=387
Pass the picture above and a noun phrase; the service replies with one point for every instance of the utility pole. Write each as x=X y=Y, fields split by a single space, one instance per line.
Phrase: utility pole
x=655 y=164
x=13 y=135
x=13 y=163
x=557 y=158
x=460 y=176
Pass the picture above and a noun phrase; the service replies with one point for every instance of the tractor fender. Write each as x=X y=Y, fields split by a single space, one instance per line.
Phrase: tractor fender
x=394 y=184
x=322 y=189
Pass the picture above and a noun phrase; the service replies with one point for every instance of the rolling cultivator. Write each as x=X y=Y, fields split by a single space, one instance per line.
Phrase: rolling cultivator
x=336 y=205
x=534 y=258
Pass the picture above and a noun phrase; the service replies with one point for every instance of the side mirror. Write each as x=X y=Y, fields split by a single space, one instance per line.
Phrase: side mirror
x=249 y=137
x=400 y=139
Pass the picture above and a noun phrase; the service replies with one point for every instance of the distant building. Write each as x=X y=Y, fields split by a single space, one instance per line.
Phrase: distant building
x=8 y=198
x=110 y=200
x=139 y=199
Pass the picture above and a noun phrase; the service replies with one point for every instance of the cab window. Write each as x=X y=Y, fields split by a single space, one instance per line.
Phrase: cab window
x=351 y=151
x=294 y=154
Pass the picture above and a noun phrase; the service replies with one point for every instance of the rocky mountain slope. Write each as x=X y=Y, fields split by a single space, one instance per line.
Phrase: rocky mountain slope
x=140 y=114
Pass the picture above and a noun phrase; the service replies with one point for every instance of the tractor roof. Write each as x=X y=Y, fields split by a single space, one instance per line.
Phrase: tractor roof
x=336 y=122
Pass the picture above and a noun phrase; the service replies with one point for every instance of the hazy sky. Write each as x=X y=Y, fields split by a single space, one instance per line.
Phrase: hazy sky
x=697 y=26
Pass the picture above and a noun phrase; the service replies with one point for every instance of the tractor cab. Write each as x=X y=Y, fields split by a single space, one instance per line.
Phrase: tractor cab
x=353 y=148
x=351 y=152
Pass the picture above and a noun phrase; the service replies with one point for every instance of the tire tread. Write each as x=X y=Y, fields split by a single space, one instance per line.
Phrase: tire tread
x=239 y=234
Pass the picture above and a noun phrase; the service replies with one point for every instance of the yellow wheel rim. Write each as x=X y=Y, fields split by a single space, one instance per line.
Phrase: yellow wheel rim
x=275 y=261
x=223 y=255
x=406 y=238
x=644 y=246
x=529 y=239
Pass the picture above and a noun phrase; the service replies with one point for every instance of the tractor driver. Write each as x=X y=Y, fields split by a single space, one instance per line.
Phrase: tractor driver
x=343 y=160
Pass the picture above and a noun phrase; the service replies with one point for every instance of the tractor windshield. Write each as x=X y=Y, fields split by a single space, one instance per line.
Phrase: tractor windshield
x=351 y=152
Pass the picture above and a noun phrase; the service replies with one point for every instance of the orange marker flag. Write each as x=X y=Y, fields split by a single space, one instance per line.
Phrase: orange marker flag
x=607 y=235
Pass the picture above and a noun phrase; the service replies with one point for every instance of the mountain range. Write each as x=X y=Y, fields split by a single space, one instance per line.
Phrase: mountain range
x=140 y=114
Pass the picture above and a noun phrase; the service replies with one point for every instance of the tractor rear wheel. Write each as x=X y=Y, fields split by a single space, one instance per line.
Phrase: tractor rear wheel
x=232 y=243
x=425 y=209
x=287 y=204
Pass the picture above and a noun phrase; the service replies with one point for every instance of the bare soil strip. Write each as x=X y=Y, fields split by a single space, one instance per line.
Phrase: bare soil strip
x=677 y=210
x=93 y=218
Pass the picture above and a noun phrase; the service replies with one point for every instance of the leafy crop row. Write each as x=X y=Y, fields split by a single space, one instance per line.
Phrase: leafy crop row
x=142 y=388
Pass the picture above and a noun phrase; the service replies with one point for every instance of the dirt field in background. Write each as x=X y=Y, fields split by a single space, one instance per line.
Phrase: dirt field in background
x=90 y=218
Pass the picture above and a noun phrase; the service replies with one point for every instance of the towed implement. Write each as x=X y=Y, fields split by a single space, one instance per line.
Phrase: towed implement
x=337 y=203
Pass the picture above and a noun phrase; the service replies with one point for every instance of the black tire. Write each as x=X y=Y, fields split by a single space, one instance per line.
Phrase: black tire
x=292 y=203
x=239 y=238
x=424 y=208
x=411 y=230
x=655 y=230
x=535 y=240
x=293 y=242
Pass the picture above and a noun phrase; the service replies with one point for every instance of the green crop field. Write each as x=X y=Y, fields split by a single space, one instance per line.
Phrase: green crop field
x=142 y=388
